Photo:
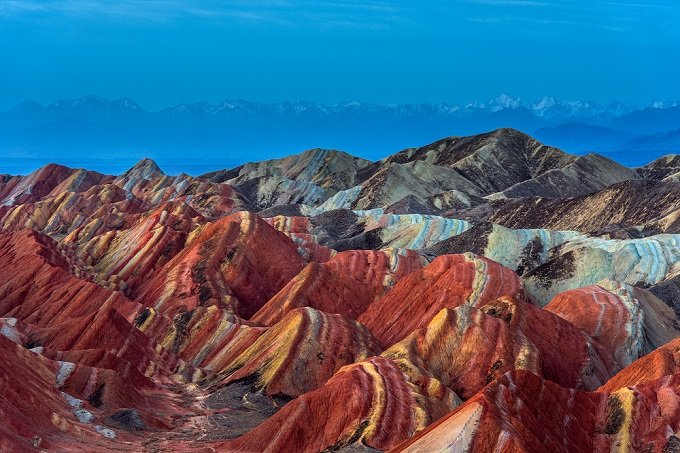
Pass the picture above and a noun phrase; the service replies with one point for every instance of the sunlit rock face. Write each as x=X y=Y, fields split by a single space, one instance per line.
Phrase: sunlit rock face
x=466 y=348
x=503 y=416
x=448 y=282
x=300 y=352
x=609 y=313
x=371 y=403
x=483 y=293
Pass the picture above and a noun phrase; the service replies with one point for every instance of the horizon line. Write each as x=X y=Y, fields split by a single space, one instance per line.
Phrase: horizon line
x=517 y=102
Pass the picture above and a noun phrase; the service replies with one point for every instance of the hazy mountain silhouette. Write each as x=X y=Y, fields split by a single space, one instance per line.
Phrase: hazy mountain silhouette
x=109 y=135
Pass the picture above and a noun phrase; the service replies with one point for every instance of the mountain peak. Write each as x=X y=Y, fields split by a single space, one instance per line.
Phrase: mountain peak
x=95 y=102
x=509 y=132
x=505 y=101
x=126 y=104
x=146 y=169
x=89 y=100
x=320 y=152
x=27 y=106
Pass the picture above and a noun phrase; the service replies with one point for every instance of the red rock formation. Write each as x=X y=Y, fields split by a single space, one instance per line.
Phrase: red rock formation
x=34 y=413
x=140 y=312
x=644 y=417
x=608 y=313
x=51 y=178
x=300 y=353
x=518 y=413
x=299 y=229
x=237 y=263
x=467 y=348
x=523 y=413
x=122 y=260
x=665 y=361
x=106 y=330
x=41 y=290
x=370 y=402
x=448 y=282
x=211 y=200
x=379 y=268
x=57 y=200
x=100 y=209
x=346 y=284
x=147 y=183
x=65 y=405
x=207 y=337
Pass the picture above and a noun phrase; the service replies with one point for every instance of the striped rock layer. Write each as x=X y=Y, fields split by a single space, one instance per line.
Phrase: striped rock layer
x=585 y=262
x=148 y=312
x=371 y=402
x=346 y=284
x=301 y=352
x=448 y=282
x=467 y=348
x=608 y=313
x=237 y=263
x=523 y=413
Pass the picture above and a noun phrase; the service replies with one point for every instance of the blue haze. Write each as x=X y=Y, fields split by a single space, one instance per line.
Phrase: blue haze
x=165 y=52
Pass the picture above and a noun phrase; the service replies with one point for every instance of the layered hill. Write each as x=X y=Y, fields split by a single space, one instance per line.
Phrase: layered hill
x=483 y=293
x=450 y=173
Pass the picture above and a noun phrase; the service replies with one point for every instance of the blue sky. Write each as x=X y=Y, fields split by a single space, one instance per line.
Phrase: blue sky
x=163 y=52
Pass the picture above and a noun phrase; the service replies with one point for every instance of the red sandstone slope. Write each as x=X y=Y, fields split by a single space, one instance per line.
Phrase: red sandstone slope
x=122 y=259
x=147 y=183
x=102 y=368
x=299 y=353
x=113 y=366
x=346 y=284
x=467 y=348
x=34 y=414
x=60 y=201
x=448 y=282
x=143 y=314
x=299 y=229
x=49 y=179
x=236 y=263
x=665 y=361
x=38 y=288
x=371 y=402
x=608 y=313
x=100 y=209
x=523 y=413
x=61 y=404
x=519 y=413
x=206 y=337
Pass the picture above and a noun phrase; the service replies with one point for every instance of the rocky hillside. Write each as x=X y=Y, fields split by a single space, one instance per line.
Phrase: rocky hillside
x=483 y=293
x=451 y=174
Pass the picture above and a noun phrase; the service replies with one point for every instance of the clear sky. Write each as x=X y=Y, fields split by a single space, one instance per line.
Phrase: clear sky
x=163 y=52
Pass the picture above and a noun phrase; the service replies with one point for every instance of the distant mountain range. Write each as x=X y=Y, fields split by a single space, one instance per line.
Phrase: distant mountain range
x=109 y=135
